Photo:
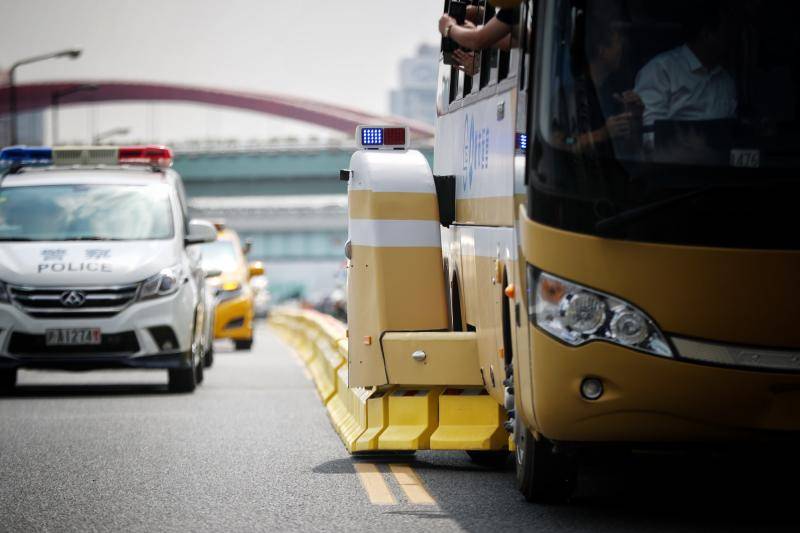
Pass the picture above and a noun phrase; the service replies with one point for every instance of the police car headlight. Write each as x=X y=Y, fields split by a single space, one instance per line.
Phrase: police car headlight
x=4 y=298
x=578 y=315
x=164 y=283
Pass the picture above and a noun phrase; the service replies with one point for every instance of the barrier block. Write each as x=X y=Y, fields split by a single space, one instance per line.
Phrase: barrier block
x=469 y=419
x=348 y=410
x=413 y=416
x=377 y=420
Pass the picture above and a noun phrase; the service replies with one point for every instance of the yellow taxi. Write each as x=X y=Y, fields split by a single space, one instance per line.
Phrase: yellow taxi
x=233 y=318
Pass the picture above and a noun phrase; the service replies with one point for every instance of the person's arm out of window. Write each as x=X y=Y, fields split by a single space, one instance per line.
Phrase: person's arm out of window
x=478 y=38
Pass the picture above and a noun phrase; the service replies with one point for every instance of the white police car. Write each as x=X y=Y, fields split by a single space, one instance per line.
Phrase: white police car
x=96 y=269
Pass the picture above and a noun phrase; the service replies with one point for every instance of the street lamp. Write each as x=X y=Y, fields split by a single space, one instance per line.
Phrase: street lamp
x=58 y=95
x=102 y=136
x=72 y=53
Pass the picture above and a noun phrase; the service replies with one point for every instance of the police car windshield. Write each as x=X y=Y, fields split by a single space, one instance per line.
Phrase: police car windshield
x=85 y=213
x=219 y=255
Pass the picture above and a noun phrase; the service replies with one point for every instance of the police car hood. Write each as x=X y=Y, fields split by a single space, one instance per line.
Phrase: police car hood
x=90 y=263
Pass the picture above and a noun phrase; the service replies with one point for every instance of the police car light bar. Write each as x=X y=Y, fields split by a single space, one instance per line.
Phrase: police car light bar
x=155 y=156
x=158 y=156
x=382 y=137
x=26 y=156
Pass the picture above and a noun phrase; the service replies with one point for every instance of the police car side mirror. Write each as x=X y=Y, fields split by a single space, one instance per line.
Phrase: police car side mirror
x=200 y=231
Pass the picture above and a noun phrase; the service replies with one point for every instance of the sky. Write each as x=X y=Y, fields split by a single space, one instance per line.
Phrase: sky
x=345 y=52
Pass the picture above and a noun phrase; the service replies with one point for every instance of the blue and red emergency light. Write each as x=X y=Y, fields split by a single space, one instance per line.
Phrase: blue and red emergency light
x=382 y=137
x=155 y=156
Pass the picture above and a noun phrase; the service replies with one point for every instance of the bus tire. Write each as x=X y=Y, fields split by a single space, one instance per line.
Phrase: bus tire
x=491 y=459
x=542 y=476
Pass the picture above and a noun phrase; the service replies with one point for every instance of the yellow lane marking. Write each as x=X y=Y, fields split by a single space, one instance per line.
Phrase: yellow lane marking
x=412 y=485
x=376 y=487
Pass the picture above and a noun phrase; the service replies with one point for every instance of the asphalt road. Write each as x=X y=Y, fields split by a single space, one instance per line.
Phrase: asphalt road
x=252 y=449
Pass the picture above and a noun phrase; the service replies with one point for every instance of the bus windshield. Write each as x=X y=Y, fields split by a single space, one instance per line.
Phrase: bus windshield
x=85 y=213
x=670 y=121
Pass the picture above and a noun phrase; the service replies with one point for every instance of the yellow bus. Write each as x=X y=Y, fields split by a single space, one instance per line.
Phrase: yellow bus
x=612 y=204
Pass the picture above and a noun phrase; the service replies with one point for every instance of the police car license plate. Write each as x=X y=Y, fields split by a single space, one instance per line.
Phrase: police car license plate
x=72 y=337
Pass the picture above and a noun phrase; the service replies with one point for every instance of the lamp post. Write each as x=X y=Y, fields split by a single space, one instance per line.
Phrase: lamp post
x=102 y=136
x=58 y=95
x=72 y=53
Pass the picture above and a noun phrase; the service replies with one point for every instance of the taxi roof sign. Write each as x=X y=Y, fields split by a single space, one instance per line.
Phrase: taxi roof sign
x=382 y=137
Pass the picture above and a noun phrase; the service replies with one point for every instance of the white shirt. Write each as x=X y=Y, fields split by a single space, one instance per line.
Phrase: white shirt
x=676 y=86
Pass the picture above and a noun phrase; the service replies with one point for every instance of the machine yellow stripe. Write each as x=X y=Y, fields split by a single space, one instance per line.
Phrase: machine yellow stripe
x=373 y=482
x=493 y=211
x=392 y=205
x=411 y=484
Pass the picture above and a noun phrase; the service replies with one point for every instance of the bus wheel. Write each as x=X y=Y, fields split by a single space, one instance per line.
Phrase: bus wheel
x=494 y=460
x=542 y=476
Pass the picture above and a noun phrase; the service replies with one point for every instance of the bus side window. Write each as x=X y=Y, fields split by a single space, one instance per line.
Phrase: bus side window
x=455 y=82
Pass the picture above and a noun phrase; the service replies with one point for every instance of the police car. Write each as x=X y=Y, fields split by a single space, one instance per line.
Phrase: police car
x=98 y=267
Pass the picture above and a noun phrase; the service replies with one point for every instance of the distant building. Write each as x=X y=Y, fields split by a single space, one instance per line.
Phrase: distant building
x=416 y=97
x=30 y=125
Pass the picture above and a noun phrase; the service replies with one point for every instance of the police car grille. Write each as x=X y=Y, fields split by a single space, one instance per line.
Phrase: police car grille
x=48 y=302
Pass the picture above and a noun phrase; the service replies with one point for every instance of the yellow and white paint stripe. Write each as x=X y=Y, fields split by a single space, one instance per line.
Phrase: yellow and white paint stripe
x=374 y=482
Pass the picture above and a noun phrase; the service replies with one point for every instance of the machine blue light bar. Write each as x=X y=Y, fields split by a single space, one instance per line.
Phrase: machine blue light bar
x=372 y=136
x=26 y=155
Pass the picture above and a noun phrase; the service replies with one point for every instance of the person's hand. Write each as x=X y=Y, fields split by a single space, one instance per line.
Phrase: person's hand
x=467 y=61
x=619 y=125
x=444 y=22
x=474 y=15
x=632 y=102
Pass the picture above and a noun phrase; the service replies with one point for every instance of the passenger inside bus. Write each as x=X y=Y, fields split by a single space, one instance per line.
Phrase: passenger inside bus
x=690 y=83
x=614 y=110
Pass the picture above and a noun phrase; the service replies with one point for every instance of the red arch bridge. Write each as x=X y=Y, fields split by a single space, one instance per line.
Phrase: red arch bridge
x=40 y=95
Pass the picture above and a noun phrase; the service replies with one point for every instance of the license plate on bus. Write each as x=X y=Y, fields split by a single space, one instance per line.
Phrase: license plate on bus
x=72 y=337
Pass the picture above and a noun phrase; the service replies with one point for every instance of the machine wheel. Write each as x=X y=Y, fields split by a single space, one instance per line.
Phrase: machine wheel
x=8 y=380
x=243 y=345
x=182 y=379
x=492 y=459
x=208 y=359
x=542 y=476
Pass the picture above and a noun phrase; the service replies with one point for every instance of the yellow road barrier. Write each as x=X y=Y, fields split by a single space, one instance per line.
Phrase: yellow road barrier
x=388 y=418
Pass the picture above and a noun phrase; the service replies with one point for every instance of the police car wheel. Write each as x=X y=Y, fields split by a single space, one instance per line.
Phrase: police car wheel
x=8 y=379
x=208 y=358
x=182 y=380
x=198 y=373
x=243 y=345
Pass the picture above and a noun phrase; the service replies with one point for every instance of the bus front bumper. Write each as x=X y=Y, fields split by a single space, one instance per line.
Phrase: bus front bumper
x=650 y=399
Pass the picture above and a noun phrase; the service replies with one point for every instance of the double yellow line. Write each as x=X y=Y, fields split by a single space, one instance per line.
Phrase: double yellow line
x=378 y=491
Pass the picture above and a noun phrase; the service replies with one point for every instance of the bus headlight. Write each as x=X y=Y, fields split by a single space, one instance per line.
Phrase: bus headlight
x=578 y=315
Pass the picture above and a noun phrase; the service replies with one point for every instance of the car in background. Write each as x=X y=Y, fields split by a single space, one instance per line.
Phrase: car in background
x=262 y=298
x=233 y=318
x=95 y=270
